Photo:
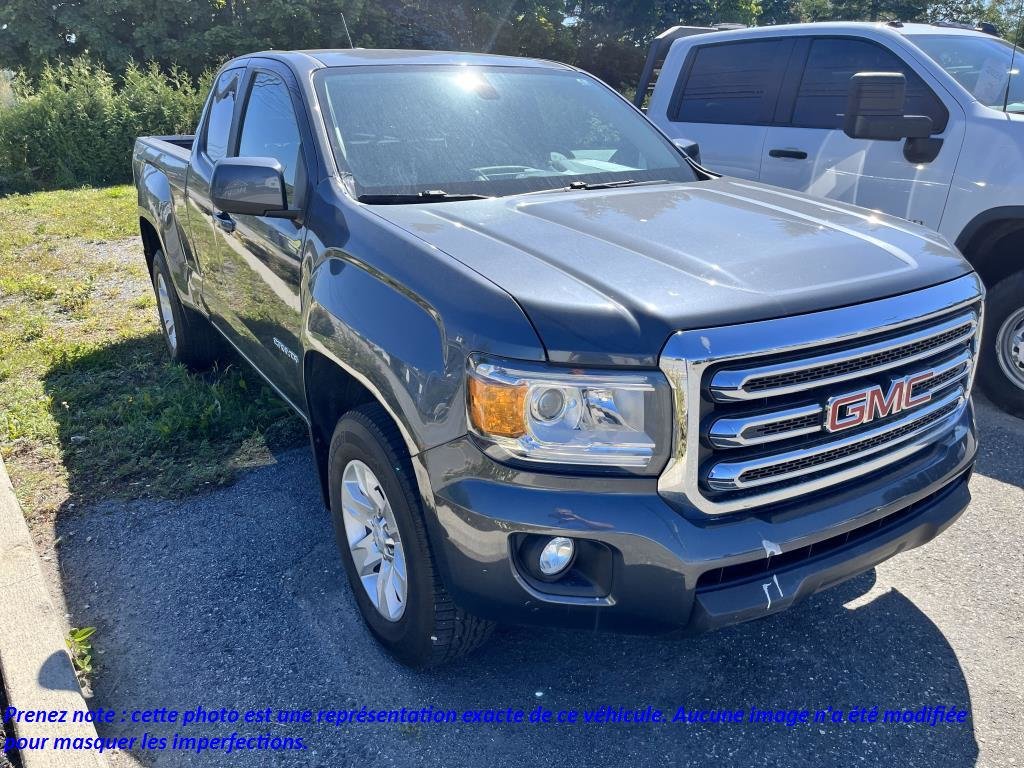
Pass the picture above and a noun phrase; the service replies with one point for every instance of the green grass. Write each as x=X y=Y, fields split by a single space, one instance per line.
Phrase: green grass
x=90 y=405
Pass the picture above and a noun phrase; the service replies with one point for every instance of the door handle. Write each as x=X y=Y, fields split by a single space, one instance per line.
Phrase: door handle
x=794 y=154
x=224 y=221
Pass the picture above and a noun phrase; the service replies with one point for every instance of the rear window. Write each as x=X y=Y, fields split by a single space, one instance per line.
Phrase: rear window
x=735 y=83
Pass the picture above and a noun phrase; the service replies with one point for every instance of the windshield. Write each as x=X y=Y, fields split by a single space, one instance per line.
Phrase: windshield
x=486 y=131
x=982 y=65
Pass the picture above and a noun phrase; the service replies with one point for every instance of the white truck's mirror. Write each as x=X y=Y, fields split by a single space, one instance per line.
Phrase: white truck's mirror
x=874 y=109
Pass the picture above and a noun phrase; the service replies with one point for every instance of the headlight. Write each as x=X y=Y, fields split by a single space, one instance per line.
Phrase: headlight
x=571 y=416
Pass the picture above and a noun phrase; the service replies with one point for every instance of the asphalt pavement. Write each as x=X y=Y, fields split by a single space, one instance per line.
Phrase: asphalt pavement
x=237 y=599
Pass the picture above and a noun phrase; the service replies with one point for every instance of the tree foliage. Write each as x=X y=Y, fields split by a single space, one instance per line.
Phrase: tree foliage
x=607 y=37
x=76 y=124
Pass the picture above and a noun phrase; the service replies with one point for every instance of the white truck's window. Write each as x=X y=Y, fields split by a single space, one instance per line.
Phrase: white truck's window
x=487 y=130
x=982 y=65
x=269 y=127
x=831 y=62
x=734 y=83
x=222 y=107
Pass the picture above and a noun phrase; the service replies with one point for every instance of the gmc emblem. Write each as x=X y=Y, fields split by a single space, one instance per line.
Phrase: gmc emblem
x=866 y=405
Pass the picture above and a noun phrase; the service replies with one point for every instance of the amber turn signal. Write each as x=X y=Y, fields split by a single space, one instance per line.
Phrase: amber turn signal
x=497 y=409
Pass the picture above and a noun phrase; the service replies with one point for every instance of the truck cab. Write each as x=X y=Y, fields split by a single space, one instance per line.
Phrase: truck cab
x=772 y=104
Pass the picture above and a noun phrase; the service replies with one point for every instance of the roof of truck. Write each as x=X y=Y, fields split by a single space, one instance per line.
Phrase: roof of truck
x=835 y=27
x=348 y=57
x=938 y=29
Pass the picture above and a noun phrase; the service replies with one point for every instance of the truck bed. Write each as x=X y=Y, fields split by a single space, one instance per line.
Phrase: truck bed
x=167 y=156
x=180 y=142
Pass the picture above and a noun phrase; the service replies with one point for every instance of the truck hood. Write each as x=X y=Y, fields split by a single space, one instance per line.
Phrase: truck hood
x=607 y=276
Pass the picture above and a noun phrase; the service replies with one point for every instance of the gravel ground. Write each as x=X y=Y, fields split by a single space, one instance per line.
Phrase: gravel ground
x=237 y=599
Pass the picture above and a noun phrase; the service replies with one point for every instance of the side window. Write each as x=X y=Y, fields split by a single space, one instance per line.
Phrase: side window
x=734 y=83
x=270 y=129
x=218 y=122
x=831 y=62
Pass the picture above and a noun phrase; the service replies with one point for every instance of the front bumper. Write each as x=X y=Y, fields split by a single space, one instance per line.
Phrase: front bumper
x=675 y=568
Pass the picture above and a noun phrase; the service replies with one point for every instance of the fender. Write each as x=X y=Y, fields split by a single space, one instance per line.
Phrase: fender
x=410 y=354
x=353 y=316
x=159 y=207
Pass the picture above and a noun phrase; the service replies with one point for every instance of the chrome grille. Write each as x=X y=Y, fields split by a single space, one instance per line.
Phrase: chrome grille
x=745 y=474
x=782 y=378
x=754 y=423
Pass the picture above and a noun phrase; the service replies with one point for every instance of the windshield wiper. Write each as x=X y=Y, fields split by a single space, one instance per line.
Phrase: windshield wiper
x=426 y=196
x=580 y=185
x=611 y=184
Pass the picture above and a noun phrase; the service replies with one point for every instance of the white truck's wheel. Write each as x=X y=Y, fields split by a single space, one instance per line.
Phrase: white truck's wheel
x=1001 y=373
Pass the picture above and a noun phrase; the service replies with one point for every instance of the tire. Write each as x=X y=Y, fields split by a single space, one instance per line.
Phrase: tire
x=1001 y=369
x=431 y=629
x=190 y=338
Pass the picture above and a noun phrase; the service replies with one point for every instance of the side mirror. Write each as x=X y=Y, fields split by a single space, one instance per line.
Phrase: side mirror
x=874 y=109
x=689 y=148
x=250 y=185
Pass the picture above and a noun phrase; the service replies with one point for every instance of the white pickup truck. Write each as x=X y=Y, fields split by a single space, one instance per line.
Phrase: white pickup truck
x=920 y=121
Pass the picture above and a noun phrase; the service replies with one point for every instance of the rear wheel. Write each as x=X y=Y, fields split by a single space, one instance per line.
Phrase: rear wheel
x=191 y=339
x=1001 y=373
x=378 y=522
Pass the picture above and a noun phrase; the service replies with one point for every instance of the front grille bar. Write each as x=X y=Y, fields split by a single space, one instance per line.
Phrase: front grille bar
x=809 y=373
x=782 y=467
x=766 y=427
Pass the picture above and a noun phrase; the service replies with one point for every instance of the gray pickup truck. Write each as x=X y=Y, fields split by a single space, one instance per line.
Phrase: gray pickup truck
x=554 y=371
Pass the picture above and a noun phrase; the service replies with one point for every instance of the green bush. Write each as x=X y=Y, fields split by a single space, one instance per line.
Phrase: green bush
x=76 y=125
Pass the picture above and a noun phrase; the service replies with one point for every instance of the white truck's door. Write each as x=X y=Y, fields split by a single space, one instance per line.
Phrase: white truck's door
x=723 y=97
x=807 y=150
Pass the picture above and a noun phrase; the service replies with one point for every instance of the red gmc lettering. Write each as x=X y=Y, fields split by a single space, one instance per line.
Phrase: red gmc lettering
x=856 y=412
x=910 y=400
x=861 y=407
x=881 y=406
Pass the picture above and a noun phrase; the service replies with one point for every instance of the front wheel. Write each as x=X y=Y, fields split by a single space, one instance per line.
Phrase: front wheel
x=379 y=525
x=1001 y=373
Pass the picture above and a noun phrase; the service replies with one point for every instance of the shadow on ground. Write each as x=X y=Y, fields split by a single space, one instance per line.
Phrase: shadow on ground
x=236 y=599
x=132 y=424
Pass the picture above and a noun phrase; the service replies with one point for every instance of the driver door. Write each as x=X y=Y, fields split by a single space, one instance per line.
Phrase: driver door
x=261 y=257
x=807 y=149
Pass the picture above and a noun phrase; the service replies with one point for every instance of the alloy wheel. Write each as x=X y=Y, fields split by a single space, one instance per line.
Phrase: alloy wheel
x=373 y=540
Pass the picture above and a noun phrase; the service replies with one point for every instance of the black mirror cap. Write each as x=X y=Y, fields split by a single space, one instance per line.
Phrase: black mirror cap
x=248 y=185
x=874 y=109
x=876 y=94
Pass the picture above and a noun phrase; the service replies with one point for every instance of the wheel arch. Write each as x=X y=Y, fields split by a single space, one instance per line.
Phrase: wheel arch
x=331 y=390
x=988 y=243
x=150 y=241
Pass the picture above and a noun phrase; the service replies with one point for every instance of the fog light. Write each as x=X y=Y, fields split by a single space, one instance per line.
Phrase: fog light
x=556 y=556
